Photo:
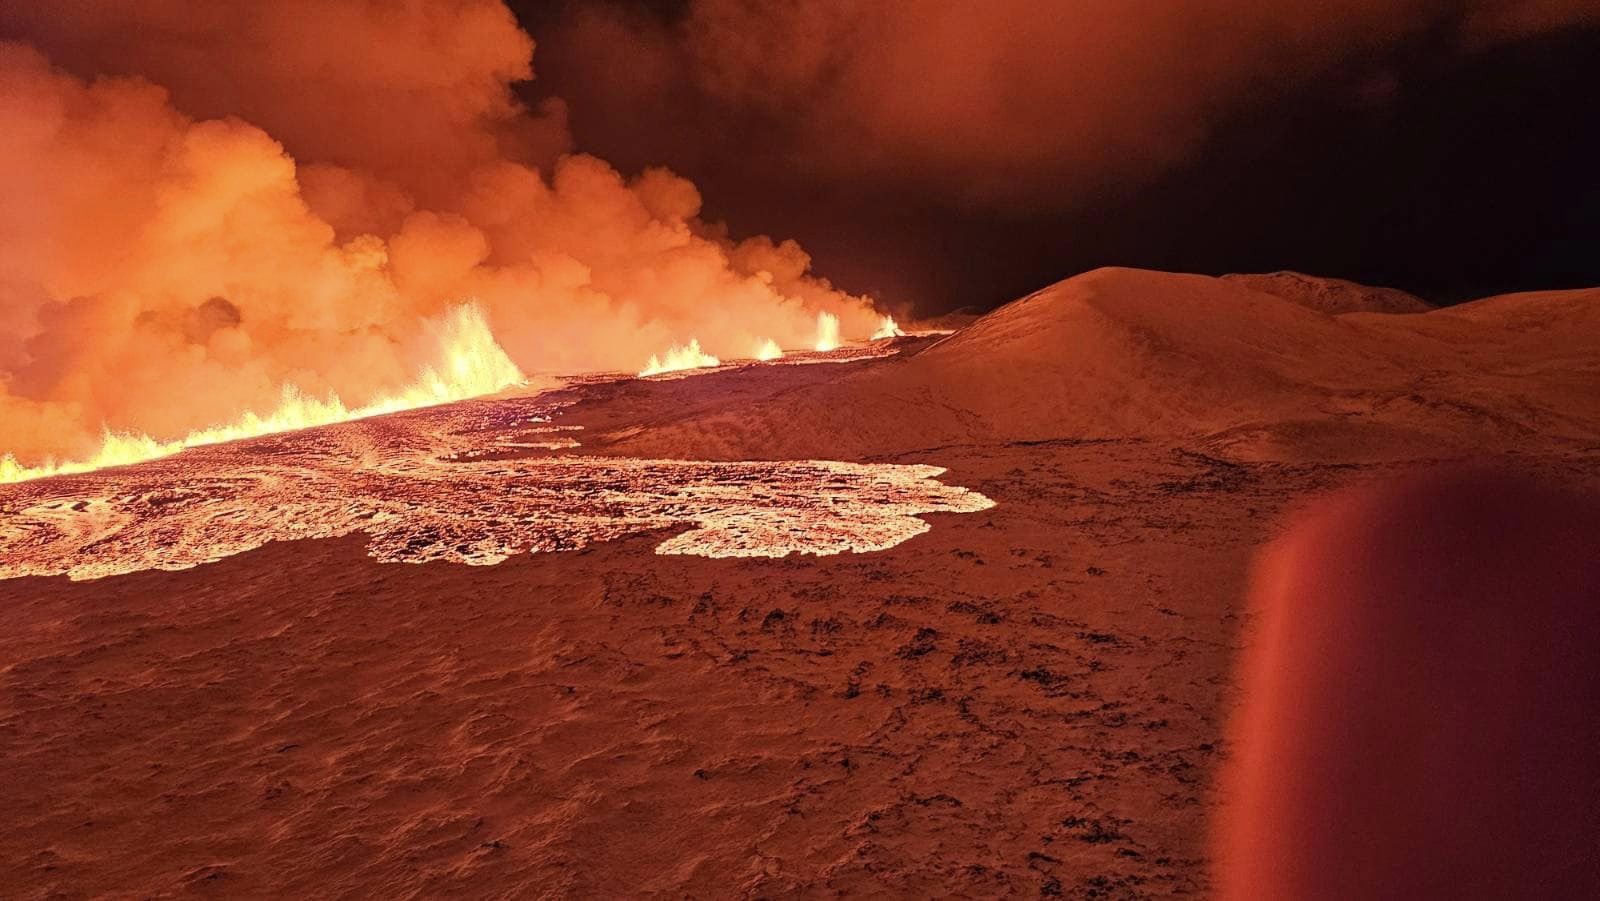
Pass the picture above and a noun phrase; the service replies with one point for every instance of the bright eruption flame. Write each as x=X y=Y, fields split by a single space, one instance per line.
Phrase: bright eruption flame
x=769 y=350
x=827 y=332
x=888 y=329
x=471 y=363
x=689 y=356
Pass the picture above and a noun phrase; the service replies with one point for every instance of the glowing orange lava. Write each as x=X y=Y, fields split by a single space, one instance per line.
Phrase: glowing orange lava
x=769 y=350
x=470 y=364
x=473 y=483
x=827 y=332
x=689 y=356
x=888 y=329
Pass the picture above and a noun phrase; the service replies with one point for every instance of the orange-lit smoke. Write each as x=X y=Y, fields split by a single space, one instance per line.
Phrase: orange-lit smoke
x=203 y=206
x=1001 y=104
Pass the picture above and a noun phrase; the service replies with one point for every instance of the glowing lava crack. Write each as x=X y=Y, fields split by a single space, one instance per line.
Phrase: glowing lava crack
x=453 y=483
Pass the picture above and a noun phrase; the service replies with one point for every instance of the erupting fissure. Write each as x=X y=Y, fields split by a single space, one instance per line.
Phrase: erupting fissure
x=679 y=358
x=689 y=356
x=827 y=332
x=176 y=254
x=470 y=364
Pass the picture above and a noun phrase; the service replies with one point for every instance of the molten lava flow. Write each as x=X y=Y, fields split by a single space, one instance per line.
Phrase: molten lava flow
x=769 y=350
x=470 y=364
x=689 y=356
x=465 y=483
x=827 y=332
x=888 y=329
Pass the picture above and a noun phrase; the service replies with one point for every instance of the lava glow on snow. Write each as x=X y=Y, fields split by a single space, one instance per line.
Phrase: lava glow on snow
x=474 y=482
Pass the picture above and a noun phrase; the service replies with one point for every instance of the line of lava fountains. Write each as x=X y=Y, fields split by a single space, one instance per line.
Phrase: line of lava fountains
x=470 y=364
x=691 y=356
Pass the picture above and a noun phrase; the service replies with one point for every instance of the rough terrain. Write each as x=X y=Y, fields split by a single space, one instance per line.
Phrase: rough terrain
x=1025 y=699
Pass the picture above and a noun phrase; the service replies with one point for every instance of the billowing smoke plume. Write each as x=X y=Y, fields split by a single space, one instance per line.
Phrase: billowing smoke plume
x=1002 y=104
x=201 y=203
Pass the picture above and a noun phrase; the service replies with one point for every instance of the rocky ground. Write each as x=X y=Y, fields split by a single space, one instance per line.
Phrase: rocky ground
x=1028 y=699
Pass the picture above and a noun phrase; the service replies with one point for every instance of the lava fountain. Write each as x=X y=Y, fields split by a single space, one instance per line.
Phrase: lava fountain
x=888 y=329
x=470 y=364
x=689 y=356
x=827 y=332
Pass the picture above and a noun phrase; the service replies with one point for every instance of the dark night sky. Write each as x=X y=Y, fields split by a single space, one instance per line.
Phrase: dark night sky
x=1449 y=173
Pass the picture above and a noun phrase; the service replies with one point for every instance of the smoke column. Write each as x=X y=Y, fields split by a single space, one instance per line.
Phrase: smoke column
x=202 y=205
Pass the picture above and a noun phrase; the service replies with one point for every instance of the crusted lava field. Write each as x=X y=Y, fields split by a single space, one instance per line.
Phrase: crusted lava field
x=470 y=483
x=1025 y=698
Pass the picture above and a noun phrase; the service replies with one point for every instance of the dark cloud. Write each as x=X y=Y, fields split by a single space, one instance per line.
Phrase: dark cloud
x=1041 y=134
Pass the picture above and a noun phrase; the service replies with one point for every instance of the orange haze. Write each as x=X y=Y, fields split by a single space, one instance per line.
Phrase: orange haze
x=205 y=205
